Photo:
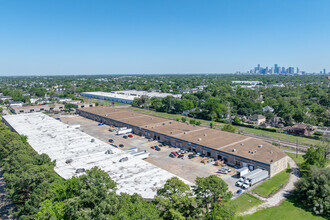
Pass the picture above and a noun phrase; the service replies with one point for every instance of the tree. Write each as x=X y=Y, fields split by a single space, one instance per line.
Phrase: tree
x=314 y=156
x=211 y=125
x=210 y=192
x=183 y=119
x=314 y=190
x=229 y=128
x=236 y=120
x=175 y=199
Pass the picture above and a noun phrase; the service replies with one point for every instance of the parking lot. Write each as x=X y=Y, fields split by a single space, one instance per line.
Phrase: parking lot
x=186 y=168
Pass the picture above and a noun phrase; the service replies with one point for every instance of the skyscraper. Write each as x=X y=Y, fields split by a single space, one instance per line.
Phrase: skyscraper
x=276 y=70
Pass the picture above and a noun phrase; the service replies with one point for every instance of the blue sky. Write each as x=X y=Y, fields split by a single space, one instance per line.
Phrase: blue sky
x=154 y=36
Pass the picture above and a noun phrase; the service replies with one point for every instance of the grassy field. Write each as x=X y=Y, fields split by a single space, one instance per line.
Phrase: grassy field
x=102 y=102
x=297 y=158
x=287 y=210
x=283 y=137
x=272 y=185
x=245 y=202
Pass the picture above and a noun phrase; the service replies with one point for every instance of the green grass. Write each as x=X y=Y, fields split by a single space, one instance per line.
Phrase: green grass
x=297 y=158
x=245 y=202
x=282 y=136
x=273 y=184
x=102 y=102
x=287 y=210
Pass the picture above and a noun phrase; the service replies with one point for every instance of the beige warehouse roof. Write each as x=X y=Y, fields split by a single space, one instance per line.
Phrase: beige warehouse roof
x=234 y=144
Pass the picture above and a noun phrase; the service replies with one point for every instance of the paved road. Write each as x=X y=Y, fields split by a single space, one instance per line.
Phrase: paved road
x=6 y=206
x=282 y=194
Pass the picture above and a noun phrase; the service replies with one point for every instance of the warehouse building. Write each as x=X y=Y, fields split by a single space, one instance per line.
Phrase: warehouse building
x=232 y=148
x=37 y=108
x=76 y=151
x=126 y=96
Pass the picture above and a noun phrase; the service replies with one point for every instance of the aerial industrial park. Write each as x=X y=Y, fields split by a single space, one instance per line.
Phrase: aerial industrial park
x=76 y=151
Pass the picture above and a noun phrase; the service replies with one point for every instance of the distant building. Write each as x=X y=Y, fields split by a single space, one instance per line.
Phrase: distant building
x=85 y=105
x=66 y=99
x=297 y=129
x=267 y=109
x=16 y=104
x=276 y=122
x=37 y=108
x=4 y=98
x=257 y=119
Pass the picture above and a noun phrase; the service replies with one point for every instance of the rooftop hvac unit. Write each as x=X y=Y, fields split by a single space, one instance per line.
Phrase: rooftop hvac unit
x=234 y=150
x=205 y=134
x=170 y=122
x=185 y=132
x=260 y=146
x=199 y=139
x=164 y=123
x=242 y=144
x=92 y=140
x=68 y=161
x=249 y=151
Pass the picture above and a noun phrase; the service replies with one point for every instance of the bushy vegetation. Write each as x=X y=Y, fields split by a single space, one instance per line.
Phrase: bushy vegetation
x=39 y=193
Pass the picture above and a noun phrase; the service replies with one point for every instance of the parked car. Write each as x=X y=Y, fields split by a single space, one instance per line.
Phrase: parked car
x=160 y=145
x=152 y=147
x=239 y=191
x=123 y=159
x=111 y=140
x=121 y=145
x=157 y=149
x=172 y=155
x=125 y=136
x=190 y=156
x=130 y=135
x=180 y=156
x=100 y=124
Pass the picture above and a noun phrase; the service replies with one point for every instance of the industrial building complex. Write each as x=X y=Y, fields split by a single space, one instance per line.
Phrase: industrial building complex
x=76 y=151
x=126 y=96
x=234 y=149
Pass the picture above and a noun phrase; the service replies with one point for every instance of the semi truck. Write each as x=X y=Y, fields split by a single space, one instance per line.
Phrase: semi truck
x=255 y=179
x=124 y=131
x=243 y=171
x=241 y=181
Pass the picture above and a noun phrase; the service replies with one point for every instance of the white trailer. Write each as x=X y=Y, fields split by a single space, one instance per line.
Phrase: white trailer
x=246 y=176
x=142 y=154
x=132 y=150
x=124 y=131
x=259 y=177
x=243 y=171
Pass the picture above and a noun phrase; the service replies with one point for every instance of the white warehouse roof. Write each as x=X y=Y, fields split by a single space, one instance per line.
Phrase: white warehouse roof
x=62 y=142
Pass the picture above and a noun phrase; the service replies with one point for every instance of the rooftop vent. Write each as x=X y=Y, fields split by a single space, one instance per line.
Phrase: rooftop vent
x=146 y=126
x=171 y=132
x=234 y=150
x=255 y=151
x=205 y=134
x=249 y=151
x=151 y=118
x=185 y=132
x=92 y=140
x=164 y=123
x=271 y=152
x=260 y=146
x=242 y=144
x=80 y=170
x=271 y=161
x=199 y=139
x=170 y=122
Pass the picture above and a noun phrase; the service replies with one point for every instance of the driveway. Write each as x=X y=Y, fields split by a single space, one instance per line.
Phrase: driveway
x=282 y=194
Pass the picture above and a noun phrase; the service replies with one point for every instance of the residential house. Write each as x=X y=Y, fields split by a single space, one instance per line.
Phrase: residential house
x=267 y=109
x=257 y=119
x=297 y=129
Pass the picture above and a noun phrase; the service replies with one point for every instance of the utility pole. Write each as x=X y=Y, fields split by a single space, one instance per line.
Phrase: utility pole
x=228 y=112
x=297 y=149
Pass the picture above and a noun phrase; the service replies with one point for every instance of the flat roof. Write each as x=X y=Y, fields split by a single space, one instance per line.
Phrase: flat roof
x=62 y=142
x=211 y=138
